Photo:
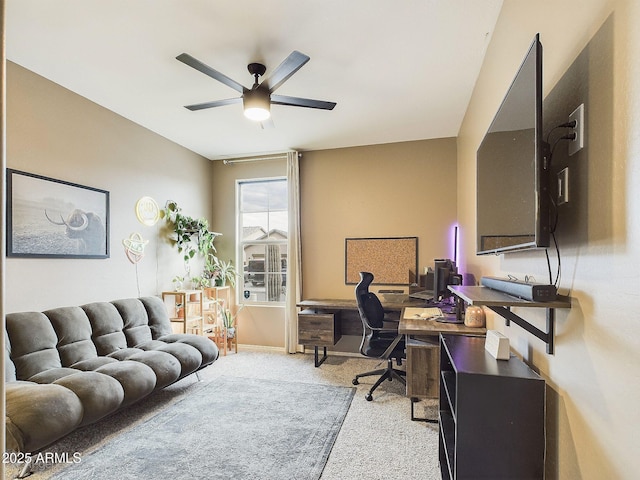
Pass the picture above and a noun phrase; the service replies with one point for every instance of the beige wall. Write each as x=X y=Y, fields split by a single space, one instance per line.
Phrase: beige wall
x=392 y=190
x=593 y=384
x=56 y=133
x=257 y=325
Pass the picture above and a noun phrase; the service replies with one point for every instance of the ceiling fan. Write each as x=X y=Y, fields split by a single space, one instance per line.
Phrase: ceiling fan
x=258 y=99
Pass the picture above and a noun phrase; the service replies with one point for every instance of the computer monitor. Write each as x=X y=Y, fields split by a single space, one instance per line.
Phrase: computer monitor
x=445 y=273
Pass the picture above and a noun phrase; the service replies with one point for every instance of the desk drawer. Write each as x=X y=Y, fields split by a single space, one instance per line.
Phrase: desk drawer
x=321 y=329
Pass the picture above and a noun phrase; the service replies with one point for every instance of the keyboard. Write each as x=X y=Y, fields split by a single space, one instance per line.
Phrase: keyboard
x=422 y=295
x=429 y=313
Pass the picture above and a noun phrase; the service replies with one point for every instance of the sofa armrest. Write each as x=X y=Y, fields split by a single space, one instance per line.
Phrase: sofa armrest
x=39 y=414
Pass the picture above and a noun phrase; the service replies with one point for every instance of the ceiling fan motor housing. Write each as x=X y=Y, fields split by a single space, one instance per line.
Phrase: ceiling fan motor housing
x=256 y=69
x=257 y=103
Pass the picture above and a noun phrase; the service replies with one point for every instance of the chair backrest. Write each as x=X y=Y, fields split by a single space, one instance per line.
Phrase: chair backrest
x=369 y=306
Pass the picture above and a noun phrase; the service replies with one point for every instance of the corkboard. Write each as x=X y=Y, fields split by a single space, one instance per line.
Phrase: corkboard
x=393 y=261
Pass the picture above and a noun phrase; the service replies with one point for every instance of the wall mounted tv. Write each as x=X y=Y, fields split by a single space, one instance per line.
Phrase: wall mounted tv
x=512 y=177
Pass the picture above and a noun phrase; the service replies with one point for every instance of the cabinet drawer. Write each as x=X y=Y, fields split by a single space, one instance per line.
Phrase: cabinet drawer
x=321 y=329
x=423 y=368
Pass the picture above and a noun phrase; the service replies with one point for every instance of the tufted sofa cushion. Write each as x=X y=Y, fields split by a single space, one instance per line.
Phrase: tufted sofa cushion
x=73 y=330
x=166 y=367
x=107 y=326
x=137 y=379
x=159 y=322
x=33 y=344
x=55 y=410
x=99 y=394
x=135 y=321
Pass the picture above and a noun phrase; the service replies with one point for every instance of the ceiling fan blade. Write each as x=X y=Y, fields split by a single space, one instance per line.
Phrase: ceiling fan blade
x=207 y=70
x=215 y=103
x=288 y=67
x=301 y=102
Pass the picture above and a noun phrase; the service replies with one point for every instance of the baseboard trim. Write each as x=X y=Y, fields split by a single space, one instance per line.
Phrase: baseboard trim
x=260 y=348
x=306 y=350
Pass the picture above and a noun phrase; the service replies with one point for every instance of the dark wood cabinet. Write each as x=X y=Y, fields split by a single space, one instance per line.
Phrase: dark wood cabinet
x=492 y=414
x=320 y=330
x=423 y=373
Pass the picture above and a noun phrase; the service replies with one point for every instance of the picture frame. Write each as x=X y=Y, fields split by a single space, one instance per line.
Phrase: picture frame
x=51 y=218
x=392 y=260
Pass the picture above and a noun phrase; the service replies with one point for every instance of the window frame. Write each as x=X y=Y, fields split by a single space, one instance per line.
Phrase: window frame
x=241 y=243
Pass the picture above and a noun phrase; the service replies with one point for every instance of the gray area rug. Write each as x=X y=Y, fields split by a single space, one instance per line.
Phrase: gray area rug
x=231 y=428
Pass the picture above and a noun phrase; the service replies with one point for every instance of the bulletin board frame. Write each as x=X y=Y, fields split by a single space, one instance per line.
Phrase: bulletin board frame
x=391 y=260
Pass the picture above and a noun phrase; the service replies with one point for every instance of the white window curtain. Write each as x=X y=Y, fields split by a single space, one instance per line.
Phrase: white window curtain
x=294 y=257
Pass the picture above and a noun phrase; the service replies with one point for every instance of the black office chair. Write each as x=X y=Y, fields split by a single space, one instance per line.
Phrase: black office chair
x=380 y=337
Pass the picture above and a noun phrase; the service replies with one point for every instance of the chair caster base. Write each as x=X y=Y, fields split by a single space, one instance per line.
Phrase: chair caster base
x=368 y=397
x=355 y=381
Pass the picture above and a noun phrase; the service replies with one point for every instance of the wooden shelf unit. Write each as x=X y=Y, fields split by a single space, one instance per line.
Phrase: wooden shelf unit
x=216 y=300
x=201 y=312
x=185 y=308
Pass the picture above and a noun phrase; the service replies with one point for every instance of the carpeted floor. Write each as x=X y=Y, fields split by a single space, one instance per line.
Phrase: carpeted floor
x=377 y=439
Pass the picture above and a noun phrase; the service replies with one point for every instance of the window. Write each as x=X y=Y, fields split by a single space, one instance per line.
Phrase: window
x=263 y=235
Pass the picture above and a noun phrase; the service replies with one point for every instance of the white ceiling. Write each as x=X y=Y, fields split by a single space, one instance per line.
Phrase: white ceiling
x=399 y=70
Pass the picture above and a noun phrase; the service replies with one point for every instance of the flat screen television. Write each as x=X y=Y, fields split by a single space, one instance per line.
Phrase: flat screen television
x=512 y=173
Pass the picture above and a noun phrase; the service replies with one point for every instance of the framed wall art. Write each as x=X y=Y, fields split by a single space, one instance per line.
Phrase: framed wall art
x=49 y=218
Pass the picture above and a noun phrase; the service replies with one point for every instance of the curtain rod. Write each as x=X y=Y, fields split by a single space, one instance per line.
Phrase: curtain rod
x=257 y=159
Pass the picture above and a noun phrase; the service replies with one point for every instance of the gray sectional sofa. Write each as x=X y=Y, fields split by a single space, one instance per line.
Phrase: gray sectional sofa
x=72 y=366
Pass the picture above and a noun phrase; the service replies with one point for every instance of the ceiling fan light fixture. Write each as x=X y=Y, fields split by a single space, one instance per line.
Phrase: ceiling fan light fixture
x=257 y=105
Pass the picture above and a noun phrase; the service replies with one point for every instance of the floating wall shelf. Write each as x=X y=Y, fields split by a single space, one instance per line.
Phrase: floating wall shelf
x=501 y=303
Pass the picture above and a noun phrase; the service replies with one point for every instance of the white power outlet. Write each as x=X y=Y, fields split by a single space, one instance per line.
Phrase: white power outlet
x=577 y=143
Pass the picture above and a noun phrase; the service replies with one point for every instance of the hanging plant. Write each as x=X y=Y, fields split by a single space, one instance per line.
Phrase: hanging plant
x=191 y=235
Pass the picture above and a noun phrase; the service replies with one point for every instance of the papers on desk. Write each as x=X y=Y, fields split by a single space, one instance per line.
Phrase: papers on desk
x=429 y=313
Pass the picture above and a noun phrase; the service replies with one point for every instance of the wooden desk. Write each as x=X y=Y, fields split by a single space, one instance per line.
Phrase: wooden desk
x=423 y=355
x=323 y=321
x=420 y=326
x=350 y=304
x=348 y=309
